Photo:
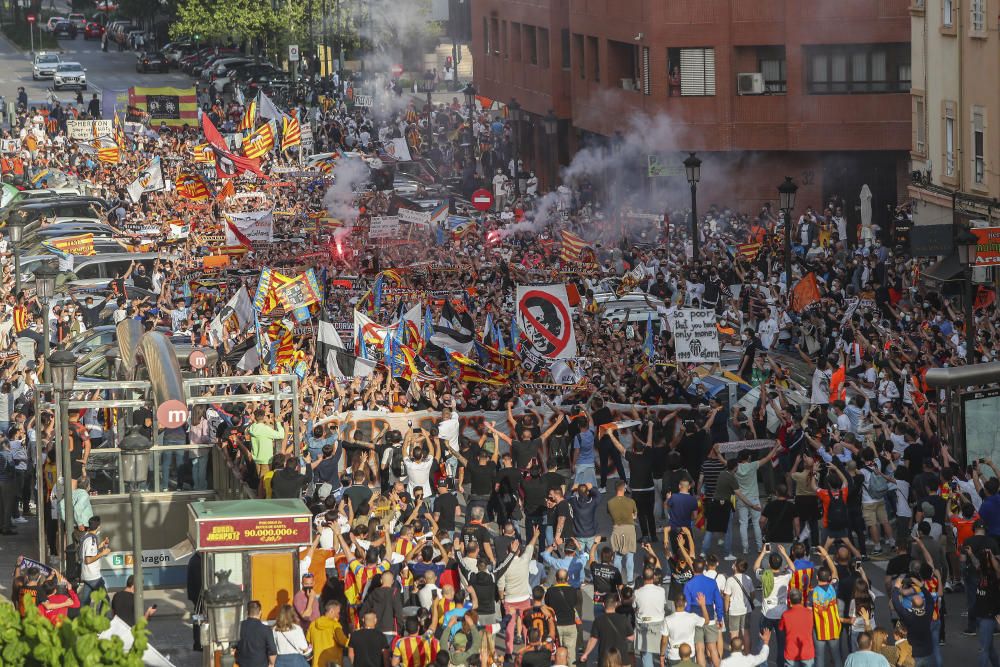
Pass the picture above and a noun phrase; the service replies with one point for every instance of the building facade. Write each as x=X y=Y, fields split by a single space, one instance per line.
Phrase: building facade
x=819 y=91
x=955 y=92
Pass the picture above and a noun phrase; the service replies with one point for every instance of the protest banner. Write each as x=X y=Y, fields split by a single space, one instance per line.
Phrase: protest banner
x=545 y=318
x=86 y=130
x=734 y=446
x=384 y=227
x=81 y=244
x=414 y=217
x=255 y=227
x=696 y=339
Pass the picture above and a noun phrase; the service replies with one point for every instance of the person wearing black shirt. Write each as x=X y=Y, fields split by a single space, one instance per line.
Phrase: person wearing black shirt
x=529 y=448
x=445 y=506
x=288 y=482
x=609 y=631
x=367 y=647
x=534 y=492
x=640 y=464
x=123 y=604
x=605 y=576
x=536 y=653
x=482 y=476
x=358 y=493
x=504 y=504
x=609 y=456
x=559 y=518
x=779 y=518
x=475 y=532
x=564 y=600
x=256 y=646
x=501 y=543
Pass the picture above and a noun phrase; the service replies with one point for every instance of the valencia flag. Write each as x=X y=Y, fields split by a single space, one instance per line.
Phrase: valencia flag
x=192 y=186
x=176 y=107
x=805 y=292
x=227 y=164
x=249 y=117
x=260 y=142
x=291 y=134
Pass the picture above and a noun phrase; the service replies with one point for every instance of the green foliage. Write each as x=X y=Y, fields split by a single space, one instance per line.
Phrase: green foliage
x=34 y=642
x=18 y=33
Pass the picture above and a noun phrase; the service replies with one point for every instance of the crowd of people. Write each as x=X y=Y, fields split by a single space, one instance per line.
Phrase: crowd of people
x=542 y=515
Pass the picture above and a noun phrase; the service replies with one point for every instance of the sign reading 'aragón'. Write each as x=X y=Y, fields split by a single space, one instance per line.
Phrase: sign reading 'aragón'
x=255 y=532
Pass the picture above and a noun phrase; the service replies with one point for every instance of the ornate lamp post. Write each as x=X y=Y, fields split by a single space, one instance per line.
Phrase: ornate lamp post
x=45 y=288
x=786 y=202
x=692 y=167
x=62 y=369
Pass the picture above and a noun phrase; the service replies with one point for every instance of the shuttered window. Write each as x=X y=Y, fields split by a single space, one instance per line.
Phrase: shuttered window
x=697 y=71
x=647 y=86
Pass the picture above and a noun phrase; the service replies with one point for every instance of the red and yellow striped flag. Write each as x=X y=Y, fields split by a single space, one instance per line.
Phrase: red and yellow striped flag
x=572 y=247
x=291 y=133
x=111 y=155
x=260 y=143
x=748 y=251
x=249 y=117
x=227 y=190
x=192 y=186
x=204 y=153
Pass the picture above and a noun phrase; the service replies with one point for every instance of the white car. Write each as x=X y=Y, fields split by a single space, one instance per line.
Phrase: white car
x=50 y=25
x=69 y=74
x=79 y=20
x=44 y=65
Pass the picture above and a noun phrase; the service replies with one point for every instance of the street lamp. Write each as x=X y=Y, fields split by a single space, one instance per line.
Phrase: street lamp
x=224 y=604
x=15 y=229
x=62 y=369
x=692 y=167
x=427 y=85
x=966 y=242
x=514 y=113
x=45 y=288
x=786 y=202
x=550 y=123
x=135 y=467
x=470 y=103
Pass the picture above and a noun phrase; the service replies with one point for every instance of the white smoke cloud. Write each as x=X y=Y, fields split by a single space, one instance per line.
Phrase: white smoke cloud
x=349 y=174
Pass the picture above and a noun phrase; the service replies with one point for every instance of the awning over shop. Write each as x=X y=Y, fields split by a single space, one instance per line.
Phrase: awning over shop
x=944 y=270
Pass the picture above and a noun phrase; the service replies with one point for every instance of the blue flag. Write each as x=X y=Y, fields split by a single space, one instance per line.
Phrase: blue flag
x=488 y=328
x=514 y=333
x=647 y=345
x=378 y=294
x=498 y=337
x=362 y=345
x=428 y=324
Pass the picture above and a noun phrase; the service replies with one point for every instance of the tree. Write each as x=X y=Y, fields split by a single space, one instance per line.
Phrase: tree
x=33 y=641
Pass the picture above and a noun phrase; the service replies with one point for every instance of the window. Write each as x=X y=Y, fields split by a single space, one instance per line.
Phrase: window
x=857 y=68
x=564 y=48
x=581 y=62
x=594 y=56
x=773 y=70
x=978 y=146
x=946 y=13
x=531 y=44
x=978 y=16
x=486 y=36
x=543 y=47
x=505 y=45
x=919 y=123
x=515 y=42
x=697 y=70
x=949 y=142
x=647 y=84
x=495 y=36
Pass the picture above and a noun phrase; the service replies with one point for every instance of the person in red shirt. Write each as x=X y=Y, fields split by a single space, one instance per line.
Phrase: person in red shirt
x=59 y=599
x=797 y=624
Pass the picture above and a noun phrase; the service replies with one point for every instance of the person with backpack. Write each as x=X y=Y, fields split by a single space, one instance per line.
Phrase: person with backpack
x=873 y=494
x=836 y=518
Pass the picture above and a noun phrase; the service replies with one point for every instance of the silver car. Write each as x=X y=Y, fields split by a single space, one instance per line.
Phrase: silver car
x=44 y=65
x=69 y=74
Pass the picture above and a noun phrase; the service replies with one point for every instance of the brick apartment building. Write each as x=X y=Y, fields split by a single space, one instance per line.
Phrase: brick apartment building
x=760 y=88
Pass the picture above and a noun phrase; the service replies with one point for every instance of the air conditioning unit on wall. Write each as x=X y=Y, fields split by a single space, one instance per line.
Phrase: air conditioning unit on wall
x=750 y=83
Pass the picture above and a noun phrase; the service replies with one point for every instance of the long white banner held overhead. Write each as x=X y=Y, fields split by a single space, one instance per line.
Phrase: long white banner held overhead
x=545 y=320
x=696 y=340
x=256 y=226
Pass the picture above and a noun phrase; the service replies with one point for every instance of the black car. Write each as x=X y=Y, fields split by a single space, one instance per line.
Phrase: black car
x=151 y=61
x=64 y=29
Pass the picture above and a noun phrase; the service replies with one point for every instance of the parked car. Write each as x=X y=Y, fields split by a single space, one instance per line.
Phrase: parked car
x=151 y=61
x=64 y=29
x=44 y=65
x=93 y=30
x=225 y=79
x=174 y=51
x=69 y=74
x=77 y=19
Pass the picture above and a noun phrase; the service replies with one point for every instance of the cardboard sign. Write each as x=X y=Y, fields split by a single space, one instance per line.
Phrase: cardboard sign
x=384 y=227
x=414 y=217
x=696 y=339
x=85 y=130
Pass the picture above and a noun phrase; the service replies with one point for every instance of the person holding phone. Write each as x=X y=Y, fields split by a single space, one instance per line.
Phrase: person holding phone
x=123 y=603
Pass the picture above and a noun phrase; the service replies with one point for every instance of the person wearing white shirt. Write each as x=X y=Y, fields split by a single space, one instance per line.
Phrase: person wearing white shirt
x=288 y=635
x=740 y=659
x=768 y=330
x=679 y=628
x=737 y=595
x=650 y=608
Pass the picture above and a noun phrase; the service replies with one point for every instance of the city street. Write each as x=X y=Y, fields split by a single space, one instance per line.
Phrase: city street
x=113 y=70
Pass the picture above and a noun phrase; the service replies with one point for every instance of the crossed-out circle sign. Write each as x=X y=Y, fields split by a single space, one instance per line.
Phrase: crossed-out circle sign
x=546 y=322
x=482 y=199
